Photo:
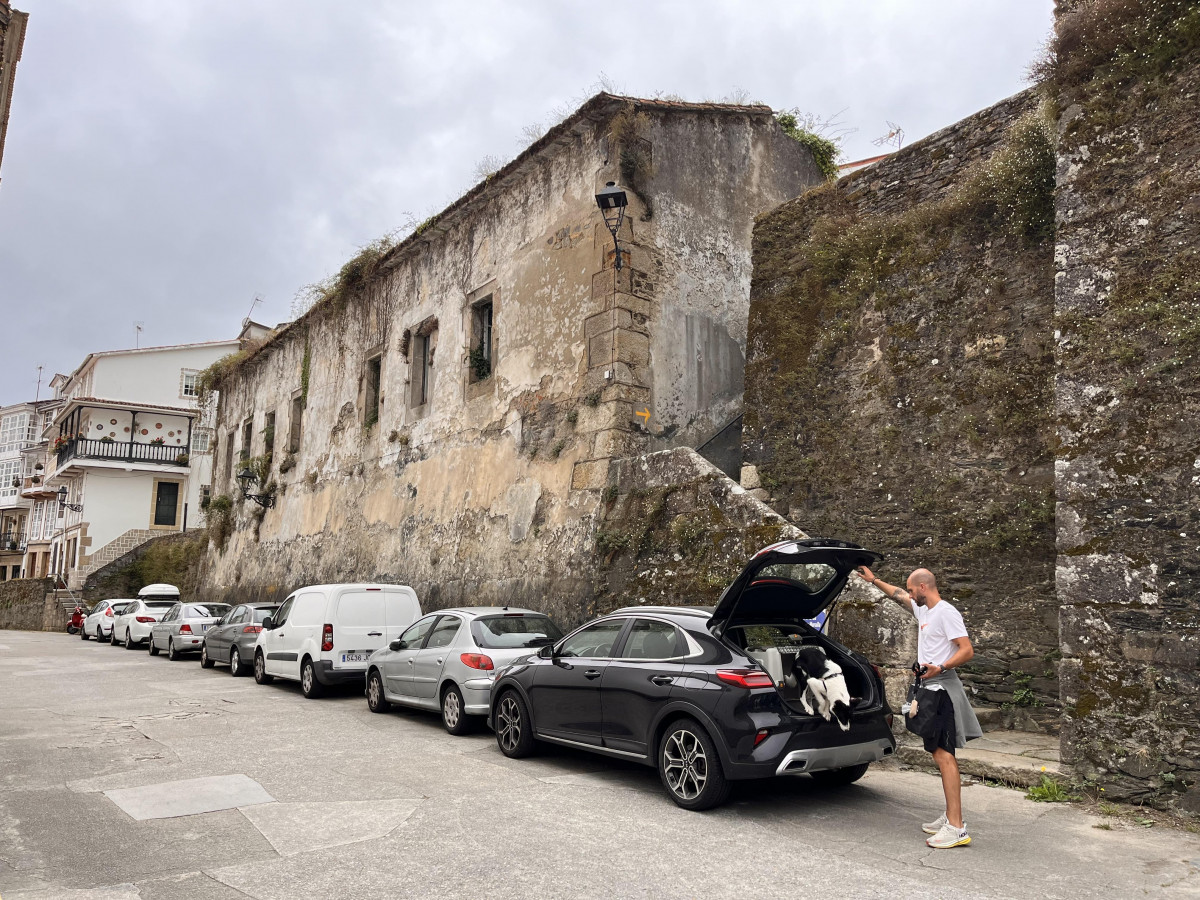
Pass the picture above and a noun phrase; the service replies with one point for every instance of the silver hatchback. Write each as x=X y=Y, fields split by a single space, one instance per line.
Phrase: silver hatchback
x=448 y=660
x=182 y=629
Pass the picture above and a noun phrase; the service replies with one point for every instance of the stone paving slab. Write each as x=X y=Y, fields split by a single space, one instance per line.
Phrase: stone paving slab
x=189 y=797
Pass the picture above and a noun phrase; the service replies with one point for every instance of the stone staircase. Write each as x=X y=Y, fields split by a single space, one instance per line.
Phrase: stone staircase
x=115 y=549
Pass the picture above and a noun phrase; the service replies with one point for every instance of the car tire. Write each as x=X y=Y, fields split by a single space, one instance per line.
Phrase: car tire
x=310 y=687
x=689 y=766
x=83 y=635
x=172 y=654
x=129 y=642
x=99 y=635
x=206 y=662
x=151 y=647
x=376 y=702
x=514 y=727
x=260 y=670
x=454 y=718
x=236 y=669
x=112 y=637
x=840 y=777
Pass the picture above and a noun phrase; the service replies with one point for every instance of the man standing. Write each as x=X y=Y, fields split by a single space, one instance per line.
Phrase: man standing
x=942 y=646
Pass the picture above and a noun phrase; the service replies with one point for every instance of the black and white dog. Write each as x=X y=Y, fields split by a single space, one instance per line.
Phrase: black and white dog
x=826 y=693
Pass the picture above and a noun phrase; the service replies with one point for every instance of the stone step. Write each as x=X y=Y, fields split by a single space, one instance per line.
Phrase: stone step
x=990 y=718
x=1013 y=757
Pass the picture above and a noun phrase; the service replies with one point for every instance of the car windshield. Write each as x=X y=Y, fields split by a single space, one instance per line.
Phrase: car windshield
x=159 y=604
x=207 y=611
x=808 y=576
x=514 y=630
x=263 y=611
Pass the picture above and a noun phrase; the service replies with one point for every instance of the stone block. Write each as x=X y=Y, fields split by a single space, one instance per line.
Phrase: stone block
x=589 y=475
x=749 y=479
x=617 y=442
x=606 y=414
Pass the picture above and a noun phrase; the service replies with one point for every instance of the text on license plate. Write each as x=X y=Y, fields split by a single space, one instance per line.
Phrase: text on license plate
x=355 y=657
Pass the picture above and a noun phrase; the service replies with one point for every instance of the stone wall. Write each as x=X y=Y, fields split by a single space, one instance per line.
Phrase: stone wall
x=1127 y=308
x=490 y=489
x=176 y=559
x=899 y=386
x=23 y=605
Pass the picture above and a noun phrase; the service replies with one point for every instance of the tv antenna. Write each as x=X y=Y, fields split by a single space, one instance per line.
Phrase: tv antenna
x=138 y=327
x=894 y=137
x=253 y=303
x=38 y=394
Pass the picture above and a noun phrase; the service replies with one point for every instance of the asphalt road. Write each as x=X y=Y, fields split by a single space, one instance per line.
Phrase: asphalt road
x=340 y=803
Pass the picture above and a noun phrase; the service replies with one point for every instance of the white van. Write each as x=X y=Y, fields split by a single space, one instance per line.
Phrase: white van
x=324 y=634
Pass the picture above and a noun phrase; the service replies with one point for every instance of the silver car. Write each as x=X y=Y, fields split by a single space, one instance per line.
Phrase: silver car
x=448 y=660
x=99 y=622
x=232 y=639
x=182 y=629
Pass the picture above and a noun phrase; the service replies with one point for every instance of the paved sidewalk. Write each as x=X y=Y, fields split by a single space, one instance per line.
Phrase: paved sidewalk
x=325 y=799
x=1012 y=757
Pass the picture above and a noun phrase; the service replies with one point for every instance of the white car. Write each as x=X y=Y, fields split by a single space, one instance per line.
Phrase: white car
x=324 y=634
x=98 y=623
x=132 y=627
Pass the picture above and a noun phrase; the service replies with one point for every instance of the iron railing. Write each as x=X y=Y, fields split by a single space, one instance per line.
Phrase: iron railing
x=12 y=541
x=123 y=451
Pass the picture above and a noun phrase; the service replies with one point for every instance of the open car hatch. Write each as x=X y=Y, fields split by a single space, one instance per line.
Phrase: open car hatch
x=789 y=582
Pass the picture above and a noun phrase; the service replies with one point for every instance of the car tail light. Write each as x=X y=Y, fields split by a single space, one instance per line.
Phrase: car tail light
x=760 y=737
x=185 y=628
x=327 y=637
x=746 y=678
x=147 y=619
x=108 y=612
x=878 y=672
x=477 y=661
x=252 y=629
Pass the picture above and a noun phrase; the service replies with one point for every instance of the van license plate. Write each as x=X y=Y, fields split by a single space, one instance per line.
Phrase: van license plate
x=354 y=657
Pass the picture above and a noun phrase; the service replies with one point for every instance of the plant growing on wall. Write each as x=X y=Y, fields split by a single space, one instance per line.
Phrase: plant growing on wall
x=220 y=520
x=480 y=364
x=627 y=139
x=803 y=128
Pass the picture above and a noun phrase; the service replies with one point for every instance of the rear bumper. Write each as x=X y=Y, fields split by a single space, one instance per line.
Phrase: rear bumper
x=327 y=674
x=187 y=643
x=821 y=758
x=477 y=696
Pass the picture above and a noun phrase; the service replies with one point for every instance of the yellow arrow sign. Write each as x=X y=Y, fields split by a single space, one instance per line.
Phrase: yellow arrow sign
x=644 y=414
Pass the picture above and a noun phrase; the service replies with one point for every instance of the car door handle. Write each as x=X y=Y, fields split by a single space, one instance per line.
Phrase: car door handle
x=662 y=679
x=439 y=659
x=374 y=634
x=279 y=634
x=592 y=673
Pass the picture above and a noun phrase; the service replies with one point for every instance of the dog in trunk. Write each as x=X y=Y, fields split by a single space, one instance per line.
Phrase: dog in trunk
x=826 y=693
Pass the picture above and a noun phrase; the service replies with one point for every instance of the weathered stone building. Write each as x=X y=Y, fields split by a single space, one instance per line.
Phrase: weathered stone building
x=981 y=355
x=448 y=414
x=13 y=23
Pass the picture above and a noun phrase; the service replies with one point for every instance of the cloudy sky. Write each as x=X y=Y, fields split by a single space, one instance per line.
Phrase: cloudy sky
x=169 y=160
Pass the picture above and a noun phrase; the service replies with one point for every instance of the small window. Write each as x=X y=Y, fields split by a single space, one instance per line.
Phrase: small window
x=247 y=438
x=229 y=442
x=371 y=390
x=482 y=350
x=200 y=440
x=651 y=639
x=269 y=434
x=422 y=367
x=189 y=383
x=295 y=424
x=205 y=495
x=415 y=635
x=594 y=641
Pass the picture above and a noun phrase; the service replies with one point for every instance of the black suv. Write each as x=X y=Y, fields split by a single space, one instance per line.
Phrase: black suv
x=701 y=692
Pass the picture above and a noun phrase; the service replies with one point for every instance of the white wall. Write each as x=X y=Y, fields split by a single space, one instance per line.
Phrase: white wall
x=115 y=501
x=153 y=376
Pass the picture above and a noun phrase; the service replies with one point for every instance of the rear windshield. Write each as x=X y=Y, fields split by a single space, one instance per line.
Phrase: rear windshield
x=513 y=631
x=810 y=577
x=263 y=612
x=119 y=608
x=207 y=610
x=159 y=604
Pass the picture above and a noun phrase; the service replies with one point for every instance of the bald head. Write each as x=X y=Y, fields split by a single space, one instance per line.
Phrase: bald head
x=922 y=587
x=922 y=577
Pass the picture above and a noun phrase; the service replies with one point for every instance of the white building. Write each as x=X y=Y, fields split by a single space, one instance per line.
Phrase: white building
x=133 y=452
x=20 y=430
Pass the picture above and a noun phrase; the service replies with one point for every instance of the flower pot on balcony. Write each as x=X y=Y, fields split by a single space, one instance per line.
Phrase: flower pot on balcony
x=182 y=459
x=36 y=479
x=38 y=467
x=107 y=440
x=158 y=442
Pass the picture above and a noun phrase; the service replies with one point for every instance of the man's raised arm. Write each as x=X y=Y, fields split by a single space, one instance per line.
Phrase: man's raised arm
x=898 y=594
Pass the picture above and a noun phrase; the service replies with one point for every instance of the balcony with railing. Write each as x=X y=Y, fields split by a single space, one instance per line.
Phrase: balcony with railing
x=119 y=451
x=12 y=542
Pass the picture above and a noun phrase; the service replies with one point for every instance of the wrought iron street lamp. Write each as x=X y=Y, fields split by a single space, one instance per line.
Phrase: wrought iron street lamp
x=246 y=478
x=612 y=202
x=63 y=504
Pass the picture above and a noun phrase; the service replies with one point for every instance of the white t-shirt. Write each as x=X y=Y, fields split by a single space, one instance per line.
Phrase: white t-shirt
x=939 y=625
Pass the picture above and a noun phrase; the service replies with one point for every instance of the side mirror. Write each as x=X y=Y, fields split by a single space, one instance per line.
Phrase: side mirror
x=268 y=623
x=397 y=645
x=546 y=652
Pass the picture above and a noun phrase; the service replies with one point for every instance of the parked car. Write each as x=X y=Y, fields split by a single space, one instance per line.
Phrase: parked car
x=701 y=693
x=447 y=661
x=324 y=634
x=133 y=625
x=183 y=628
x=99 y=622
x=232 y=639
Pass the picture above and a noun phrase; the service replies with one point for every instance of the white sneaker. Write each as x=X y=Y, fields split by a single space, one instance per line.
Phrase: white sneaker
x=949 y=836
x=936 y=825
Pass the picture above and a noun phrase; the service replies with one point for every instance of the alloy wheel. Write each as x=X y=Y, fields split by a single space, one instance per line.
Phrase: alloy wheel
x=306 y=679
x=508 y=723
x=685 y=764
x=235 y=662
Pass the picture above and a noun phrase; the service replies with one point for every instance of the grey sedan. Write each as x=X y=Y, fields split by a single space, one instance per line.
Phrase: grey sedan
x=232 y=639
x=183 y=628
x=448 y=660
